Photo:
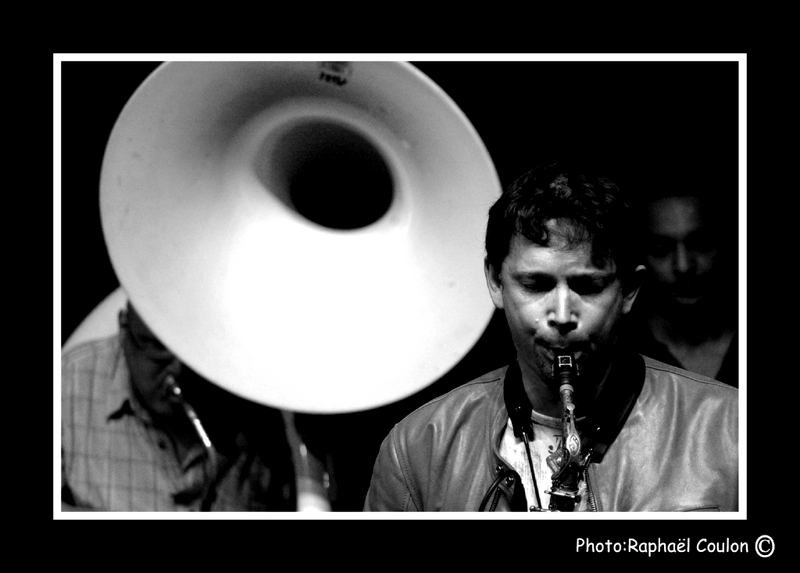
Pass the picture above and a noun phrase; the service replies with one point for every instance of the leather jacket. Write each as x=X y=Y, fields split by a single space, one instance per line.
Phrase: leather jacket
x=669 y=444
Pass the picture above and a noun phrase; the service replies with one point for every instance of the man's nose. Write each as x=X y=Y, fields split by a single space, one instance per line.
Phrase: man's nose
x=683 y=261
x=562 y=314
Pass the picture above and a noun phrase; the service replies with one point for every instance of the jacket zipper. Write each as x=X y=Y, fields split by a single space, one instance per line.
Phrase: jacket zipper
x=592 y=500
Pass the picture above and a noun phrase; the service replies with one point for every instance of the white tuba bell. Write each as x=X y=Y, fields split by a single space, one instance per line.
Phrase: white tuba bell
x=306 y=235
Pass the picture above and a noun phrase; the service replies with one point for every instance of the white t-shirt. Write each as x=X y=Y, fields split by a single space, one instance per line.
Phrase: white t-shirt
x=546 y=440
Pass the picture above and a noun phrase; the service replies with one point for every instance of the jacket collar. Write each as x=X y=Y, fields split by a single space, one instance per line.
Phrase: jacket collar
x=602 y=420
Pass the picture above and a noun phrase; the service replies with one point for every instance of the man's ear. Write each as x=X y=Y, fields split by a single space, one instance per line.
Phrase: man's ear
x=631 y=286
x=494 y=282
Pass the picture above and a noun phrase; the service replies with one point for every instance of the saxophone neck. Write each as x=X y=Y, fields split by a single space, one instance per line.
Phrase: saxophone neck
x=567 y=372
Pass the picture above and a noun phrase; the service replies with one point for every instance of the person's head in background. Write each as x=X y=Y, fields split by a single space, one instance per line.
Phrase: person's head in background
x=152 y=364
x=689 y=247
x=681 y=250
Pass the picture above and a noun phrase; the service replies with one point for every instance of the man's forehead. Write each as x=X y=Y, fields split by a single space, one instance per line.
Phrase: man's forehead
x=674 y=216
x=559 y=255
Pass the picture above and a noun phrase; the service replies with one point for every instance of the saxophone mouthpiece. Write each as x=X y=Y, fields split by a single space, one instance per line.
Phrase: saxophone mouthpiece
x=565 y=368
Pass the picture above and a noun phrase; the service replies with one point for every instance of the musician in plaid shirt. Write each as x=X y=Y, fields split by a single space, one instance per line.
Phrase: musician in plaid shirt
x=129 y=443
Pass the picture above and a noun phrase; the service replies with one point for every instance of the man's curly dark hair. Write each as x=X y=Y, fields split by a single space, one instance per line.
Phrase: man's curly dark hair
x=592 y=210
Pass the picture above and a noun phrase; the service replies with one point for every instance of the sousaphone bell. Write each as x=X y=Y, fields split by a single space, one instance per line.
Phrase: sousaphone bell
x=306 y=235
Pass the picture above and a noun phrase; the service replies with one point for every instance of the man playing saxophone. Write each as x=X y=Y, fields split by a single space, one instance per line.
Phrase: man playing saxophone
x=578 y=422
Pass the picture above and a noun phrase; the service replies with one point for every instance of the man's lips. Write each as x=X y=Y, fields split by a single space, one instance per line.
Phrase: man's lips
x=687 y=288
x=577 y=349
x=562 y=345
